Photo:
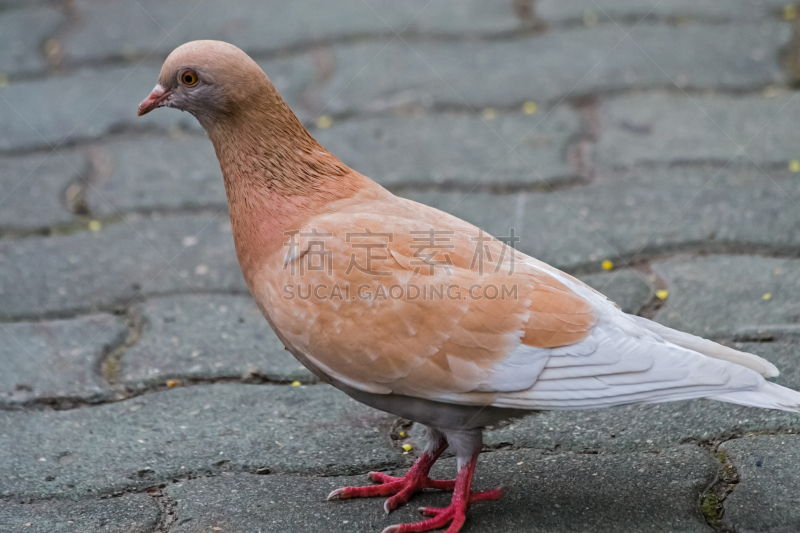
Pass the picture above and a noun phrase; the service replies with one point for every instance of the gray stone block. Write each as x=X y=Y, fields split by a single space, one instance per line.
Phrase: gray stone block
x=157 y=174
x=553 y=66
x=450 y=150
x=664 y=129
x=724 y=295
x=91 y=103
x=459 y=150
x=22 y=33
x=85 y=104
x=56 y=361
x=122 y=29
x=131 y=513
x=767 y=495
x=629 y=289
x=560 y=11
x=551 y=493
x=134 y=258
x=200 y=337
x=33 y=189
x=189 y=432
x=653 y=427
x=640 y=213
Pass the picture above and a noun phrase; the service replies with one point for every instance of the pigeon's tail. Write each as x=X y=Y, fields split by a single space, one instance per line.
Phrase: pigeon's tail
x=769 y=396
x=710 y=348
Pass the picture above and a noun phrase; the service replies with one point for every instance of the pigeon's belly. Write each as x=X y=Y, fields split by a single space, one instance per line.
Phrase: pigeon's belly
x=438 y=415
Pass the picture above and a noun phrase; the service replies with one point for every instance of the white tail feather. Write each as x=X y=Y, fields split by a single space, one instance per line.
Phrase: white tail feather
x=770 y=396
x=710 y=348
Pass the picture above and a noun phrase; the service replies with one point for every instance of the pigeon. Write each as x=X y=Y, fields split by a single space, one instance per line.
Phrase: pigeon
x=418 y=313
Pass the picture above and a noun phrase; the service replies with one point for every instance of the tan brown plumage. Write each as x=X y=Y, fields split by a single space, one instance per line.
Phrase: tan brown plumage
x=454 y=359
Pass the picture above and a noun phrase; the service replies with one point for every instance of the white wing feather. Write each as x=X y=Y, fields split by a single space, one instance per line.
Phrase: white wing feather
x=625 y=360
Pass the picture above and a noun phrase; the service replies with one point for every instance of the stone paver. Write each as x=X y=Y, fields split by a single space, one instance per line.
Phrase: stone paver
x=121 y=29
x=131 y=513
x=569 y=63
x=88 y=104
x=460 y=150
x=767 y=496
x=731 y=295
x=629 y=289
x=661 y=136
x=662 y=128
x=189 y=432
x=452 y=150
x=200 y=337
x=109 y=268
x=653 y=427
x=141 y=175
x=33 y=189
x=56 y=361
x=644 y=212
x=22 y=34
x=560 y=11
x=553 y=493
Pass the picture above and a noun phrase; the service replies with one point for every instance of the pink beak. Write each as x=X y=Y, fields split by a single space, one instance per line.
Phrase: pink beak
x=156 y=99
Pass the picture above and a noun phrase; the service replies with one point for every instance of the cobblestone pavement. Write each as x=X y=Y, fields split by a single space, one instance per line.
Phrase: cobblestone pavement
x=650 y=147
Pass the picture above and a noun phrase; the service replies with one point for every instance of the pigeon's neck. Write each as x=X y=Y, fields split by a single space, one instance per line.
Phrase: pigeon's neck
x=276 y=177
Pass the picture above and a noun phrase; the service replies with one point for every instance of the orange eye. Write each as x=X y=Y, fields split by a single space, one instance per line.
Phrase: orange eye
x=189 y=77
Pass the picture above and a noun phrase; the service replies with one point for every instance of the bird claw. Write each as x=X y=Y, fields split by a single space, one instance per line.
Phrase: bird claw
x=387 y=485
x=455 y=513
x=417 y=479
x=338 y=494
x=400 y=489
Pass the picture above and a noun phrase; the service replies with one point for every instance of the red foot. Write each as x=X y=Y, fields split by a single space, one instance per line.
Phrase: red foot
x=402 y=488
x=456 y=512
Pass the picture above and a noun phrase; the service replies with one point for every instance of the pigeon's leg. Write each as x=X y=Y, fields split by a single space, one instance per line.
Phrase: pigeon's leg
x=456 y=512
x=402 y=488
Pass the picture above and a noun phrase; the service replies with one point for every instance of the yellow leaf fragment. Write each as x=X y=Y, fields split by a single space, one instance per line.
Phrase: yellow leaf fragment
x=767 y=296
x=172 y=383
x=789 y=12
x=794 y=166
x=407 y=447
x=95 y=225
x=662 y=294
x=529 y=108
x=607 y=265
x=52 y=47
x=324 y=122
x=296 y=383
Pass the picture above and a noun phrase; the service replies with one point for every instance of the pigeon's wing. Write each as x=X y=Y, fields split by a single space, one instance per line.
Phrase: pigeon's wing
x=612 y=367
x=427 y=305
x=391 y=296
x=624 y=361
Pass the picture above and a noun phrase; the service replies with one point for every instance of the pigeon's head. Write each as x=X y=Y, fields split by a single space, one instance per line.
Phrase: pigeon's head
x=208 y=79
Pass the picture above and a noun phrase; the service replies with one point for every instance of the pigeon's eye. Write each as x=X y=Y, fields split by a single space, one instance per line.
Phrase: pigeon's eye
x=189 y=77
